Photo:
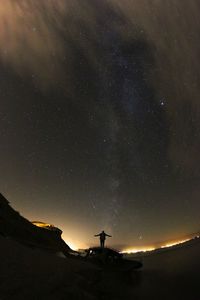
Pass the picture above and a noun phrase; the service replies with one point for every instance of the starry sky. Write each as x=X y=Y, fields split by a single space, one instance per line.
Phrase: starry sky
x=100 y=117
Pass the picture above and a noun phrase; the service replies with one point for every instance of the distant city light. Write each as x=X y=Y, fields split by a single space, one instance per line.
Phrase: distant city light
x=175 y=243
x=168 y=245
x=129 y=251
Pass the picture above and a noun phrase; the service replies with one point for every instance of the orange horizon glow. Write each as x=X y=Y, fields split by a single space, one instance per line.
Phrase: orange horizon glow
x=75 y=244
x=149 y=249
x=175 y=243
x=136 y=250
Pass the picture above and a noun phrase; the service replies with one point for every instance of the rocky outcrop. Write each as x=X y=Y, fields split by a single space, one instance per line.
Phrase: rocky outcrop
x=13 y=225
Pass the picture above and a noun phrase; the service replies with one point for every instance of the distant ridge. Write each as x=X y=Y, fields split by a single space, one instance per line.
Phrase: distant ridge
x=190 y=242
x=13 y=225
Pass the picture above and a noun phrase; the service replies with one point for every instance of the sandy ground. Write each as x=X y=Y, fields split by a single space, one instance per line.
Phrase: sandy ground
x=27 y=273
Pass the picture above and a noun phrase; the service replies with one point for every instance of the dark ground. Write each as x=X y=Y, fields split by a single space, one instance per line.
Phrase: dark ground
x=29 y=273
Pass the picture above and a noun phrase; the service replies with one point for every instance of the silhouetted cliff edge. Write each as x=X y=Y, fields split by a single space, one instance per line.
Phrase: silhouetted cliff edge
x=13 y=225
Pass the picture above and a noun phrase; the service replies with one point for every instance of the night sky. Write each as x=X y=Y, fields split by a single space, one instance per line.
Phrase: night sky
x=100 y=117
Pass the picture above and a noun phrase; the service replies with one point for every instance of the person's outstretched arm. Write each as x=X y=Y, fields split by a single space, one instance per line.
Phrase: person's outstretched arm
x=108 y=235
x=97 y=234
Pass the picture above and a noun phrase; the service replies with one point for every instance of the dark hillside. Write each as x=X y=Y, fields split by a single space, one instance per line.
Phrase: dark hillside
x=13 y=225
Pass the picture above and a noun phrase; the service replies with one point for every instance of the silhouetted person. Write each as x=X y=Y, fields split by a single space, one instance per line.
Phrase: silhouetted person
x=102 y=237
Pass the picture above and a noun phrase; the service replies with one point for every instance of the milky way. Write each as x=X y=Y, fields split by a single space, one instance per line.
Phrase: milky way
x=100 y=116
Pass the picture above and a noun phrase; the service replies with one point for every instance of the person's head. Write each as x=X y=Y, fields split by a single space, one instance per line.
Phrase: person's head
x=102 y=231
